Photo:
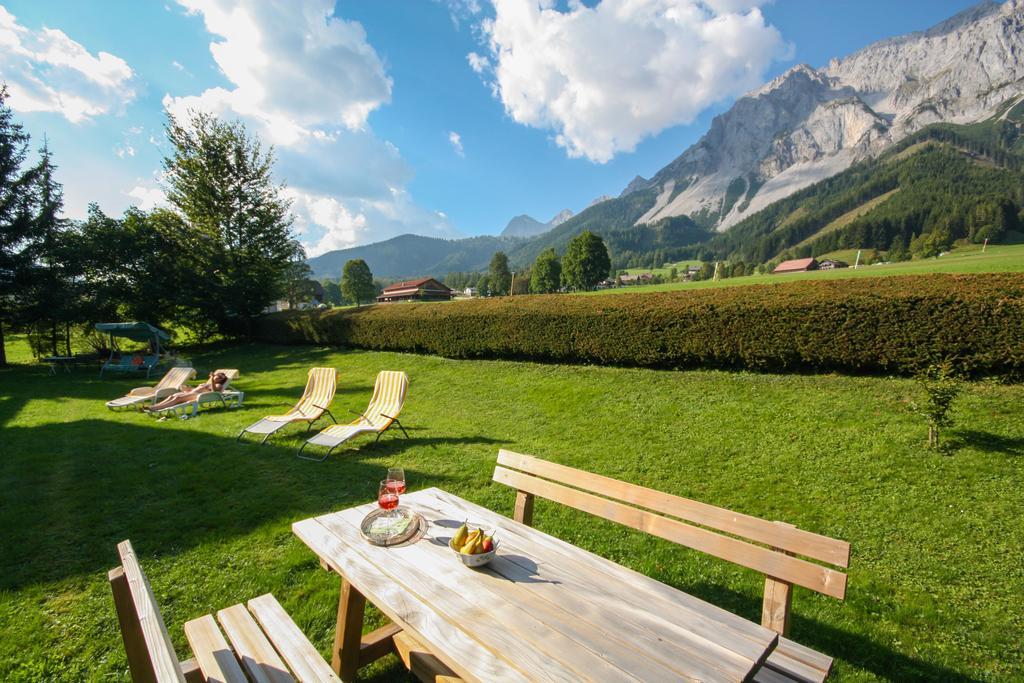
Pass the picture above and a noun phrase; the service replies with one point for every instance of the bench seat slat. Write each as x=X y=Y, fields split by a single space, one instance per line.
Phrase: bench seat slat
x=799 y=662
x=795 y=540
x=302 y=658
x=769 y=562
x=215 y=658
x=259 y=659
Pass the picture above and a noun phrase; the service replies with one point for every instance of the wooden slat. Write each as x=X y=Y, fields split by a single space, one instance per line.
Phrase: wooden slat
x=792 y=569
x=215 y=658
x=257 y=655
x=378 y=643
x=615 y=595
x=419 y=660
x=158 y=642
x=586 y=637
x=465 y=655
x=302 y=658
x=795 y=540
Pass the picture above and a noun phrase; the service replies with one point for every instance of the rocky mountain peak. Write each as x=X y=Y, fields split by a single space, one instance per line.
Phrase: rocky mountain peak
x=808 y=124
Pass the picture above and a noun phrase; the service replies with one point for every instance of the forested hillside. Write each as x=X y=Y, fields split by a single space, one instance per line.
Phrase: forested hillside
x=959 y=181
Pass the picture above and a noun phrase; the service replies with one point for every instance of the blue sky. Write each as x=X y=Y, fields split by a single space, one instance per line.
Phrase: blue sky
x=383 y=122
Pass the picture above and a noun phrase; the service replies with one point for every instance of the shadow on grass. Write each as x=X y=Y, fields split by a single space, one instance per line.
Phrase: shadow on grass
x=985 y=442
x=853 y=648
x=75 y=489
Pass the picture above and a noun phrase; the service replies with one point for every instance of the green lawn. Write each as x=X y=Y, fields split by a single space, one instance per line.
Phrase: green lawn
x=938 y=544
x=996 y=259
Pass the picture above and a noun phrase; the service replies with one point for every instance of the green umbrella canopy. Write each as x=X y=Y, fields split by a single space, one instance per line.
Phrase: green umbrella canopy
x=134 y=331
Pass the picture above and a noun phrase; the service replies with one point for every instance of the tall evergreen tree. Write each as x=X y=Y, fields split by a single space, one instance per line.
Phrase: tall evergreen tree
x=547 y=273
x=220 y=179
x=500 y=276
x=586 y=261
x=17 y=222
x=357 y=281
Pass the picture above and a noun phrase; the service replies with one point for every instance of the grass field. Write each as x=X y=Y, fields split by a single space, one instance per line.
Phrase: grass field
x=969 y=259
x=937 y=540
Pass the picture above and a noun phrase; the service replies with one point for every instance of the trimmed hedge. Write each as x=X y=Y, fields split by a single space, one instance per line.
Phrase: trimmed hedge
x=891 y=324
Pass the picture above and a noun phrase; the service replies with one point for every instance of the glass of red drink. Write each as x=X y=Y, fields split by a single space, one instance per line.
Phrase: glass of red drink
x=387 y=495
x=396 y=476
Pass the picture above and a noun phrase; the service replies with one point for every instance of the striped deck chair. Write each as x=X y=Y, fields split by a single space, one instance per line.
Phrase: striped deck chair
x=386 y=403
x=225 y=396
x=315 y=401
x=169 y=384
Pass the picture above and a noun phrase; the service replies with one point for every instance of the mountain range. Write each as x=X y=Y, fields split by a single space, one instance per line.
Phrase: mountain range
x=805 y=126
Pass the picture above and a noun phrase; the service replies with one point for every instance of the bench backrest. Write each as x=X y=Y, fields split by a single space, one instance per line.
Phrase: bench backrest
x=767 y=547
x=151 y=656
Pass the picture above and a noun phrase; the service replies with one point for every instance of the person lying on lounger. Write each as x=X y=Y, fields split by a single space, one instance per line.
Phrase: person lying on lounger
x=216 y=382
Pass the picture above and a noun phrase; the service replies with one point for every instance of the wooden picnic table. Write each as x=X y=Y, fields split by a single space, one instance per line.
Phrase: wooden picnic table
x=542 y=610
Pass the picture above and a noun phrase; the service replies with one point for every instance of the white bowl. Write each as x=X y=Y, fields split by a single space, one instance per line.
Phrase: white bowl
x=478 y=560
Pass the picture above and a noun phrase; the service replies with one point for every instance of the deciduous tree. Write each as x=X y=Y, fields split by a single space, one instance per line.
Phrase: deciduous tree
x=546 y=276
x=357 y=282
x=500 y=276
x=586 y=261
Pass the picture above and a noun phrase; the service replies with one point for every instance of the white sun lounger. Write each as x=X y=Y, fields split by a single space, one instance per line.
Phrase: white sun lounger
x=169 y=384
x=227 y=397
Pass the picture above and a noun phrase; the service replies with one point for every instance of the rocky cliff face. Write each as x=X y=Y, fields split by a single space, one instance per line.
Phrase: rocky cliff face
x=810 y=123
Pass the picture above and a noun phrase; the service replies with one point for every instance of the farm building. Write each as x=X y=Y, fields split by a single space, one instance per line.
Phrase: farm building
x=832 y=264
x=798 y=265
x=424 y=289
x=638 y=279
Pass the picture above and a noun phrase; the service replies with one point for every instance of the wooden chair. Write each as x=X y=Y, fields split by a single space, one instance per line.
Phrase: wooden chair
x=262 y=643
x=766 y=547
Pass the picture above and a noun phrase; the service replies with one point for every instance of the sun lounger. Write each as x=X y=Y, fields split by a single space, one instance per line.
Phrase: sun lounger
x=169 y=384
x=386 y=403
x=227 y=397
x=315 y=401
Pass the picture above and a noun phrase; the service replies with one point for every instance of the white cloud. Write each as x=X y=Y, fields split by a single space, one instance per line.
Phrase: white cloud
x=307 y=80
x=456 y=141
x=147 y=198
x=296 y=67
x=605 y=77
x=478 y=62
x=325 y=223
x=177 y=65
x=47 y=71
x=125 y=151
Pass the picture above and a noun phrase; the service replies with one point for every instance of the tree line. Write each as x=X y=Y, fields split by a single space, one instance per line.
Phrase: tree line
x=216 y=258
x=586 y=262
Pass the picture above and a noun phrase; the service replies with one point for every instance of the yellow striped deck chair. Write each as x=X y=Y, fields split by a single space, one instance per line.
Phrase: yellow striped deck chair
x=315 y=401
x=169 y=384
x=386 y=403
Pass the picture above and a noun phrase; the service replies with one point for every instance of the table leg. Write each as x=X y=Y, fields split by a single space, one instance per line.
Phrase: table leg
x=349 y=633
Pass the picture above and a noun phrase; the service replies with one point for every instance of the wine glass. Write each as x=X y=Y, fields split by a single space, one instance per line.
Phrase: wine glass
x=387 y=496
x=396 y=475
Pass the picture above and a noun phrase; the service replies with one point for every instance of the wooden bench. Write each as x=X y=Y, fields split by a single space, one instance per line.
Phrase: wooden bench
x=265 y=644
x=767 y=547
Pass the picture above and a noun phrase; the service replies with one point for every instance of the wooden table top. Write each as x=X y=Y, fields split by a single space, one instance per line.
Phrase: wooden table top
x=543 y=609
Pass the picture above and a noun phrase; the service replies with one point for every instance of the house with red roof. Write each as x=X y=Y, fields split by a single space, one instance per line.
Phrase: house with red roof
x=797 y=265
x=424 y=289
